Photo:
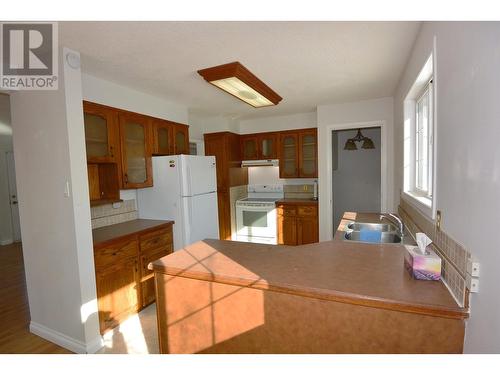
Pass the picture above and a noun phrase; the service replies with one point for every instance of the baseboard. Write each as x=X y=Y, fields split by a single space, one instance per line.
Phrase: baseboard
x=6 y=242
x=66 y=342
x=96 y=345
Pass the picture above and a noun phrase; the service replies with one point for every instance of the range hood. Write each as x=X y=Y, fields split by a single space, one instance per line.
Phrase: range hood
x=260 y=163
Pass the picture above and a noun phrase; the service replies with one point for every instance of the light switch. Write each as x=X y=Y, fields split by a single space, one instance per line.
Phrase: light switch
x=438 y=220
x=66 y=189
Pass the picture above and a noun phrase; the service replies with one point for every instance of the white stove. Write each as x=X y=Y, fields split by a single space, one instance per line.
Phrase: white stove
x=256 y=215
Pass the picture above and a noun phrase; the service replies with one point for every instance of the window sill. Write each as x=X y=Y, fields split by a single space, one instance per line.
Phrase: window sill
x=423 y=204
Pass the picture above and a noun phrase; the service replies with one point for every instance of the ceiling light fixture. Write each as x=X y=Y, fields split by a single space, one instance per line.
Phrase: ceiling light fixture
x=351 y=145
x=238 y=81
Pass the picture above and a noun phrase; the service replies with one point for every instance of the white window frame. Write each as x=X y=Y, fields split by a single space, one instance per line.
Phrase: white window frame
x=424 y=200
x=426 y=193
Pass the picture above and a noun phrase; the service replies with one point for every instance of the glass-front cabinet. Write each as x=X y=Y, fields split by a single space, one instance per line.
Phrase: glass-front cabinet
x=101 y=133
x=181 y=139
x=249 y=147
x=135 y=135
x=298 y=154
x=162 y=137
x=260 y=146
x=308 y=159
x=268 y=147
x=289 y=161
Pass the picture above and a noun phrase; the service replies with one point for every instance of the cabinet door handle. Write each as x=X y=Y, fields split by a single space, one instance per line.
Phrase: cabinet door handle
x=126 y=178
x=111 y=151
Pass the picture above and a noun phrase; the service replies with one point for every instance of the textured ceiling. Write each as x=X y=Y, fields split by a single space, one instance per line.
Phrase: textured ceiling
x=307 y=63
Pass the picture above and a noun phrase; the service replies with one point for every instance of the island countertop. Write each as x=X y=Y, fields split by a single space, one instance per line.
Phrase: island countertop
x=350 y=272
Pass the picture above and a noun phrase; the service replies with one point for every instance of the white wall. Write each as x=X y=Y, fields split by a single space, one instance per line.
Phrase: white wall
x=467 y=86
x=200 y=124
x=6 y=235
x=277 y=123
x=375 y=110
x=109 y=93
x=49 y=152
x=356 y=181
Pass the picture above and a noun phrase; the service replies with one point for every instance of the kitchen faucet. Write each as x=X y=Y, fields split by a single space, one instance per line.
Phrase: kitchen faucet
x=396 y=220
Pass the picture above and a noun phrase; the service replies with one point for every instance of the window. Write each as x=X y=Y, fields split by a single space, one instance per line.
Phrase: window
x=419 y=128
x=423 y=142
x=196 y=147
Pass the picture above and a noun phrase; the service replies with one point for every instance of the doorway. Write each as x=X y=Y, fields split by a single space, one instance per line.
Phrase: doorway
x=10 y=230
x=356 y=171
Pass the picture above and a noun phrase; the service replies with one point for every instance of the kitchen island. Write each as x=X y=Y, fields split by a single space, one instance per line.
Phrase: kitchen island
x=330 y=297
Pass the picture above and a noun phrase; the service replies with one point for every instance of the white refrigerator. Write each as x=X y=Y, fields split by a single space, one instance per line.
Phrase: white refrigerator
x=184 y=190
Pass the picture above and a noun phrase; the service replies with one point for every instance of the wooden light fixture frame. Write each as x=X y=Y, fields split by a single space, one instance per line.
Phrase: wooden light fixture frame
x=237 y=70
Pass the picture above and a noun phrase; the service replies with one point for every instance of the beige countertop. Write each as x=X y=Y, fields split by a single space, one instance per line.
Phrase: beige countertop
x=110 y=233
x=350 y=272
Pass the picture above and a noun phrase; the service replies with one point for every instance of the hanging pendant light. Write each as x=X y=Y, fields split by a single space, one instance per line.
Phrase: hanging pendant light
x=368 y=143
x=351 y=145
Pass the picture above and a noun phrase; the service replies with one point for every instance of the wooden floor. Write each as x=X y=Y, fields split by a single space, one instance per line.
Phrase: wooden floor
x=14 y=311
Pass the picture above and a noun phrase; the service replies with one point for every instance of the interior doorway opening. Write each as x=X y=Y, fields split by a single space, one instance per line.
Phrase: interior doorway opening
x=356 y=171
x=10 y=228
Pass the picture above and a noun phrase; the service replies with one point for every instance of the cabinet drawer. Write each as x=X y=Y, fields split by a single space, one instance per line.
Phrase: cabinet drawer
x=308 y=211
x=159 y=239
x=287 y=210
x=117 y=252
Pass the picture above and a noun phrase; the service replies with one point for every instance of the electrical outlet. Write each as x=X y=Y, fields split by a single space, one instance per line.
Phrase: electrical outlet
x=473 y=267
x=472 y=284
x=438 y=220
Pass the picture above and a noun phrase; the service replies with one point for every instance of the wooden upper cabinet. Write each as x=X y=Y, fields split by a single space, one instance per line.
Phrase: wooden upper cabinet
x=308 y=153
x=101 y=133
x=136 y=141
x=249 y=147
x=181 y=139
x=298 y=154
x=163 y=137
x=288 y=156
x=268 y=146
x=259 y=146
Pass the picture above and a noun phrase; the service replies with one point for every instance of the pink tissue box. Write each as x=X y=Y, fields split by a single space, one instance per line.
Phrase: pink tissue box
x=422 y=267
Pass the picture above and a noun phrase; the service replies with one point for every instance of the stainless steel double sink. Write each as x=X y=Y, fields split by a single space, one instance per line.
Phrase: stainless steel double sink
x=373 y=233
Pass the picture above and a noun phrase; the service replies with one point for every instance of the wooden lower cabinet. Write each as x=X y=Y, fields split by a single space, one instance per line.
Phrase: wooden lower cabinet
x=307 y=230
x=124 y=283
x=297 y=223
x=287 y=230
x=224 y=208
x=147 y=277
x=117 y=292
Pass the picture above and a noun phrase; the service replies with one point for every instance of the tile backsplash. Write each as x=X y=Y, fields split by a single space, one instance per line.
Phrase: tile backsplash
x=298 y=191
x=454 y=256
x=108 y=215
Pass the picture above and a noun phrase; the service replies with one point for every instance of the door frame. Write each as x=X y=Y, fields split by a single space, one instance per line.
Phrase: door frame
x=329 y=176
